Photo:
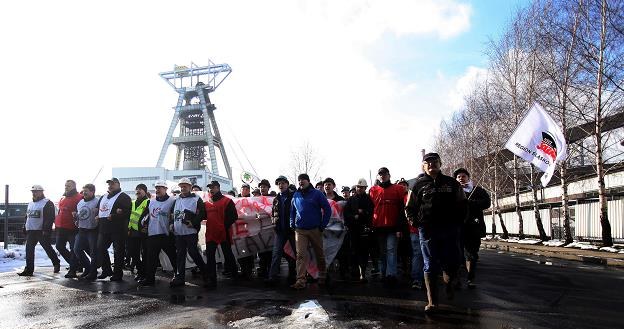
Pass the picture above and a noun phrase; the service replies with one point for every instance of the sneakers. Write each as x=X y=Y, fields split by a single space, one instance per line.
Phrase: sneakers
x=71 y=275
x=25 y=273
x=299 y=285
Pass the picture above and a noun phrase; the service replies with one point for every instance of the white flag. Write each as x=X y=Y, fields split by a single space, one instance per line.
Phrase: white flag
x=539 y=140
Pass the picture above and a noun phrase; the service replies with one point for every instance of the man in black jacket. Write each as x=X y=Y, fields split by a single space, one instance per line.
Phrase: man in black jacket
x=113 y=217
x=39 y=219
x=474 y=226
x=437 y=206
x=358 y=214
x=280 y=216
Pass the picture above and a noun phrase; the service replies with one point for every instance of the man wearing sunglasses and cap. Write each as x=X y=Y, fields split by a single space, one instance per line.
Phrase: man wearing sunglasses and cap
x=39 y=220
x=437 y=206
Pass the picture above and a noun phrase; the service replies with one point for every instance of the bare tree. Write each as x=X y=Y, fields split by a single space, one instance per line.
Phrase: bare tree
x=305 y=159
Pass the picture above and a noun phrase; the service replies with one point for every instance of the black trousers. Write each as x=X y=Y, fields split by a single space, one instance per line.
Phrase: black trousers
x=137 y=251
x=211 y=263
x=184 y=244
x=118 y=240
x=63 y=236
x=32 y=238
x=360 y=250
x=155 y=244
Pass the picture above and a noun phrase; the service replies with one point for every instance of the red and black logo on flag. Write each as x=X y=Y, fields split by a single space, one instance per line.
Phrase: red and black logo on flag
x=548 y=145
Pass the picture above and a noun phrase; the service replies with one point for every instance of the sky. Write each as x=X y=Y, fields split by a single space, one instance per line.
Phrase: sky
x=365 y=83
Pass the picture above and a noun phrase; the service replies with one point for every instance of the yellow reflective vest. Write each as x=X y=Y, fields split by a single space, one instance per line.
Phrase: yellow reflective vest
x=135 y=215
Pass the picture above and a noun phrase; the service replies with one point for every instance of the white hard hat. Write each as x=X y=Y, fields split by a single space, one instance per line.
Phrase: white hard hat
x=36 y=188
x=184 y=180
x=161 y=183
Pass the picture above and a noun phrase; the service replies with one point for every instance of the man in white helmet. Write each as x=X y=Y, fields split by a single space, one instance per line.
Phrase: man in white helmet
x=39 y=219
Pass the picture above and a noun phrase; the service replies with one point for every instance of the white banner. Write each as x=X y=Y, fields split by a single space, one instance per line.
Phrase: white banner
x=538 y=140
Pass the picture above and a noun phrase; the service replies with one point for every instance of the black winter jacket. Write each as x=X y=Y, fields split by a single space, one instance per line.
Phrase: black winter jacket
x=478 y=200
x=438 y=203
x=364 y=220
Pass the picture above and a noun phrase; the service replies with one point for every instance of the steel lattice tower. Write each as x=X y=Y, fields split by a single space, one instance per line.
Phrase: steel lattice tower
x=194 y=112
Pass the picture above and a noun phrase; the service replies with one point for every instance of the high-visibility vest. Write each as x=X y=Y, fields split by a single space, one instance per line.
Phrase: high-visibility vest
x=135 y=215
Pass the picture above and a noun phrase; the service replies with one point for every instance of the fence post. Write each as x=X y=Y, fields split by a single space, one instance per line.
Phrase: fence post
x=6 y=217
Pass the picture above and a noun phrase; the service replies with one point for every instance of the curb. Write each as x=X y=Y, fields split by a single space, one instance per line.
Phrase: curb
x=560 y=253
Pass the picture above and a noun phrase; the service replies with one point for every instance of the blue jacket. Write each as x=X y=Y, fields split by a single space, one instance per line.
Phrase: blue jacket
x=305 y=212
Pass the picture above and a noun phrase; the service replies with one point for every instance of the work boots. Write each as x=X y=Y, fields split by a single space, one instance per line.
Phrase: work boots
x=432 y=292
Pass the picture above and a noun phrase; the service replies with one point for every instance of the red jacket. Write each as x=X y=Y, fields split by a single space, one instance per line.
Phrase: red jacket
x=67 y=205
x=389 y=205
x=215 y=220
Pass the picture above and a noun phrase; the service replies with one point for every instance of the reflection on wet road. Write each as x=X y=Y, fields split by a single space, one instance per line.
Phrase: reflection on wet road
x=513 y=292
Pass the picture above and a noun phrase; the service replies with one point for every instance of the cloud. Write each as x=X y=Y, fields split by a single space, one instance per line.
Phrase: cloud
x=299 y=73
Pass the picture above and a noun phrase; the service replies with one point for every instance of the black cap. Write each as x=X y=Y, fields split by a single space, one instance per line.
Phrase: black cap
x=214 y=183
x=303 y=176
x=329 y=180
x=461 y=171
x=264 y=182
x=255 y=191
x=196 y=187
x=431 y=156
x=281 y=179
x=141 y=187
x=383 y=170
x=113 y=180
x=246 y=185
x=345 y=189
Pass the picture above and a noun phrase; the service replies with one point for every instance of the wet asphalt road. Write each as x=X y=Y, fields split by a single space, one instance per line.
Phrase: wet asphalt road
x=514 y=291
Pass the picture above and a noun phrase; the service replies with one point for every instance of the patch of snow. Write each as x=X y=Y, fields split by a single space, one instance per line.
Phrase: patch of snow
x=553 y=243
x=588 y=247
x=529 y=241
x=609 y=249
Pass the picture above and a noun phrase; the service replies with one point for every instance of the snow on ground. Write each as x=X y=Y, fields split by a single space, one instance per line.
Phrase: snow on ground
x=14 y=258
x=553 y=243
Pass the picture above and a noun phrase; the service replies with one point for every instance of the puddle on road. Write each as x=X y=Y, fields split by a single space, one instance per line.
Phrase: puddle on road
x=181 y=299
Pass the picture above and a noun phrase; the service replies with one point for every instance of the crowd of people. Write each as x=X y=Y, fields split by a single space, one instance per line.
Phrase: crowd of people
x=430 y=230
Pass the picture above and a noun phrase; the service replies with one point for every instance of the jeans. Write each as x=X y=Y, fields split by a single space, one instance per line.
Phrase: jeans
x=440 y=249
x=63 y=236
x=278 y=253
x=184 y=244
x=86 y=240
x=417 y=258
x=388 y=243
x=211 y=263
x=32 y=237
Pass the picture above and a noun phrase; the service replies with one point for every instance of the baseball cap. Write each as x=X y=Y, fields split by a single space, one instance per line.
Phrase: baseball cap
x=264 y=182
x=383 y=170
x=113 y=180
x=214 y=183
x=281 y=179
x=431 y=156
x=246 y=185
x=345 y=189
